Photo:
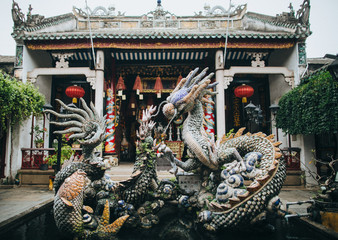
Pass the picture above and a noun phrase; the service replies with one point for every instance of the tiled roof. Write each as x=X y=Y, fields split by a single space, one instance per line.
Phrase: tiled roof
x=157 y=34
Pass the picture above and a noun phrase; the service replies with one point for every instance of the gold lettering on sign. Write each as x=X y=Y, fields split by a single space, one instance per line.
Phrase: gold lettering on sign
x=237 y=114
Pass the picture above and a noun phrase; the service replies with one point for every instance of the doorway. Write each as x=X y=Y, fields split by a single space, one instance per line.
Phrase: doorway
x=236 y=116
x=59 y=86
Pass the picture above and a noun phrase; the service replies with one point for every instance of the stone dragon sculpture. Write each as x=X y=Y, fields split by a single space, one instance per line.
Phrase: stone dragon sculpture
x=232 y=201
x=240 y=175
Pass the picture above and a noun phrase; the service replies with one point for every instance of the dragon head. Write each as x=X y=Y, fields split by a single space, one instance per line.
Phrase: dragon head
x=189 y=90
x=83 y=124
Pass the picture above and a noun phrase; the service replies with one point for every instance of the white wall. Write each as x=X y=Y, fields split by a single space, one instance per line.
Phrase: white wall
x=21 y=137
x=307 y=163
x=278 y=87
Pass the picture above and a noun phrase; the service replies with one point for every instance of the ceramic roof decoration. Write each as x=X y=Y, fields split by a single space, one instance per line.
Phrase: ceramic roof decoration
x=161 y=25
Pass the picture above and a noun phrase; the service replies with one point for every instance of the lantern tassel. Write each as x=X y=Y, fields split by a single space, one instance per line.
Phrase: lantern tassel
x=244 y=100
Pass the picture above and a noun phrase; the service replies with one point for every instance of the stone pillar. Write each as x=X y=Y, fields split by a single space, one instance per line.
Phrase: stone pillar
x=220 y=114
x=99 y=82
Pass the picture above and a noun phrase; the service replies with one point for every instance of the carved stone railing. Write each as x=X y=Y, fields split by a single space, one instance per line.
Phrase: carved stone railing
x=32 y=158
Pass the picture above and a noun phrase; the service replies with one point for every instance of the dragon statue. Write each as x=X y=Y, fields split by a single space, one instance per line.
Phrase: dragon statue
x=239 y=176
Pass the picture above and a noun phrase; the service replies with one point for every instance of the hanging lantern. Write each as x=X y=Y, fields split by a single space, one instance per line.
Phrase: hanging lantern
x=75 y=92
x=120 y=86
x=244 y=91
x=158 y=86
x=179 y=79
x=138 y=85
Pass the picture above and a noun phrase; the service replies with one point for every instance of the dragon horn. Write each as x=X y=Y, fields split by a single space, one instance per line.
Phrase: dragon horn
x=190 y=77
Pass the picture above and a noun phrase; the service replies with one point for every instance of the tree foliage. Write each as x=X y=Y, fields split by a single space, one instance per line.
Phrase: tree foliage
x=18 y=101
x=310 y=108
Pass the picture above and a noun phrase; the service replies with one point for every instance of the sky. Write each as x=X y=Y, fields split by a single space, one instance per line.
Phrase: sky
x=323 y=16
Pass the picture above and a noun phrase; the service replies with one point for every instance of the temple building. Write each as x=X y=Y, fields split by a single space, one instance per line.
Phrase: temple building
x=126 y=63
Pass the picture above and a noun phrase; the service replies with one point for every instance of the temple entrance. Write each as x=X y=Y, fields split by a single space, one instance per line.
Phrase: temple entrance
x=131 y=99
x=236 y=117
x=131 y=105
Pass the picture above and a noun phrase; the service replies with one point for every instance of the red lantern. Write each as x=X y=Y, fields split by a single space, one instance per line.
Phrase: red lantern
x=75 y=92
x=244 y=91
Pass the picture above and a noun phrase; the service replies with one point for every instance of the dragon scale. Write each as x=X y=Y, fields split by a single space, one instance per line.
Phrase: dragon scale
x=247 y=210
x=196 y=140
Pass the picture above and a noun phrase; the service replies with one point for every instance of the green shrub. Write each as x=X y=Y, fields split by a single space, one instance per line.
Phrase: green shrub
x=18 y=101
x=310 y=108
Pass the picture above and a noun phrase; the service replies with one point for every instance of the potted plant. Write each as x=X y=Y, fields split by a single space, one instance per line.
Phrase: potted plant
x=76 y=144
x=38 y=136
x=44 y=165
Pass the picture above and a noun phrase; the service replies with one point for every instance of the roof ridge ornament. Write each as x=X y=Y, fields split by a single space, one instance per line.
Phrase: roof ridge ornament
x=159 y=14
x=17 y=16
x=218 y=10
x=303 y=13
x=98 y=11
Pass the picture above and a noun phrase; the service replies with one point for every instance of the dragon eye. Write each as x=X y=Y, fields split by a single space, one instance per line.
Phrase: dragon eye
x=169 y=110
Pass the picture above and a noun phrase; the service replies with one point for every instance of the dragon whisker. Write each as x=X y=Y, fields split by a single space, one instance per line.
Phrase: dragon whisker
x=77 y=135
x=85 y=107
x=75 y=110
x=94 y=110
x=67 y=124
x=69 y=130
x=159 y=108
x=75 y=116
x=166 y=128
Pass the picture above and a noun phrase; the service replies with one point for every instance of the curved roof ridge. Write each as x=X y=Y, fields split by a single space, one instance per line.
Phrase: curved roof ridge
x=292 y=24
